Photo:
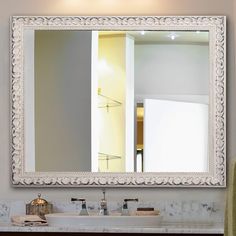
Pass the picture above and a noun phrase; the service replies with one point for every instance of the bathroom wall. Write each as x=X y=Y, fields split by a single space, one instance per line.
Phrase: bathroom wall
x=111 y=7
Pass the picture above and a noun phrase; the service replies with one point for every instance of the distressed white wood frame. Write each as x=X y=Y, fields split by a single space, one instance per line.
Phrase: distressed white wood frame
x=216 y=177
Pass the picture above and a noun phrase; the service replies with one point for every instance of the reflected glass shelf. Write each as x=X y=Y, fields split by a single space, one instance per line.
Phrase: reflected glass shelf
x=107 y=102
x=107 y=157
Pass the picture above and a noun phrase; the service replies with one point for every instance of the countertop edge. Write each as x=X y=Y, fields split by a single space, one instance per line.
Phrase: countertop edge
x=215 y=229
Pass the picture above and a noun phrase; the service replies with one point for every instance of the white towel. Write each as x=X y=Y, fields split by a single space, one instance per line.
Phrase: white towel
x=147 y=213
x=28 y=220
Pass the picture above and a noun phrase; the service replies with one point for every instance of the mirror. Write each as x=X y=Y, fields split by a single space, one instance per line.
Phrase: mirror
x=118 y=105
x=165 y=72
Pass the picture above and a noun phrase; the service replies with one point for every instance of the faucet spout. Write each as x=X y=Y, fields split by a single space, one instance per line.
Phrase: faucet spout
x=103 y=205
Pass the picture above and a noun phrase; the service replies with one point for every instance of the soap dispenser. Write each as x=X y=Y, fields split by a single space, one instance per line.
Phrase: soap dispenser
x=39 y=206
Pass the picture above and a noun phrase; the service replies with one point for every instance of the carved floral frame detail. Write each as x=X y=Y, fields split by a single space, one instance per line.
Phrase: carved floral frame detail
x=216 y=177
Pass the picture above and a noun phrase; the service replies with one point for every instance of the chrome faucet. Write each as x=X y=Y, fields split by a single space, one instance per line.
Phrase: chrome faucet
x=103 y=205
x=125 y=210
x=83 y=211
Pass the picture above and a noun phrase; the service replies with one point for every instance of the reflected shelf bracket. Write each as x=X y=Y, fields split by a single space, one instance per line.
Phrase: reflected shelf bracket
x=107 y=157
x=107 y=102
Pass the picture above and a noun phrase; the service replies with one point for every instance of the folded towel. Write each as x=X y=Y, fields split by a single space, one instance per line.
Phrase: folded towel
x=28 y=220
x=147 y=213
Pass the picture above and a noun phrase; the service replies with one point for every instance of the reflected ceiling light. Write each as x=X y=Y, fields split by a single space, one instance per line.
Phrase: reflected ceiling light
x=197 y=31
x=172 y=35
x=104 y=68
x=142 y=32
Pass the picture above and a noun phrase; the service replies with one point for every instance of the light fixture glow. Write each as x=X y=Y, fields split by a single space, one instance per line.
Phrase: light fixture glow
x=172 y=35
x=198 y=32
x=142 y=32
x=104 y=69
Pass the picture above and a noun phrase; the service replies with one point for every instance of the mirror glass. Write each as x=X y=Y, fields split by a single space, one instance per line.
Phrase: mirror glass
x=116 y=101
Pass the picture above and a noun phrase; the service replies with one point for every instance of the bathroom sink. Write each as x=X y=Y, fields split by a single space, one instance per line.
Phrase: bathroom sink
x=75 y=220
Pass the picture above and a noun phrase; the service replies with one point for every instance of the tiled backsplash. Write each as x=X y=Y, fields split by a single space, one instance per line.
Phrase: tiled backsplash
x=184 y=211
x=4 y=211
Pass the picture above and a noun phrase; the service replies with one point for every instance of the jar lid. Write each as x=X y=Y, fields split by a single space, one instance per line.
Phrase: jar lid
x=38 y=201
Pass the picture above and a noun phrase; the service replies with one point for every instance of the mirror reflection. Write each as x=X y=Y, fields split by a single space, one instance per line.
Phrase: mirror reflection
x=116 y=101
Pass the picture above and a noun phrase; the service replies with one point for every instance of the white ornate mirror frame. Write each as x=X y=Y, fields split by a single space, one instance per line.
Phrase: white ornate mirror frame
x=216 y=177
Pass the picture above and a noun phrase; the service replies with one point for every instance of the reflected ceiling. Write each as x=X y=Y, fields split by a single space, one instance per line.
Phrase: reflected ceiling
x=199 y=37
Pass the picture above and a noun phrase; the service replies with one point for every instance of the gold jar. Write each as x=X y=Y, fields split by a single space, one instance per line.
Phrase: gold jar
x=39 y=206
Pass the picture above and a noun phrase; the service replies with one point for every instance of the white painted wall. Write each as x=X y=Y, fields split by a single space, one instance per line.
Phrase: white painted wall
x=116 y=7
x=172 y=130
x=129 y=105
x=165 y=68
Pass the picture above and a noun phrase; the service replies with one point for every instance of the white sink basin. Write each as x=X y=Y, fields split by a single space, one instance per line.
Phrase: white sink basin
x=75 y=220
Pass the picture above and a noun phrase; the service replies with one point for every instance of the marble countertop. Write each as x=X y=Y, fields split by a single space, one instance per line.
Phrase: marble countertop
x=175 y=227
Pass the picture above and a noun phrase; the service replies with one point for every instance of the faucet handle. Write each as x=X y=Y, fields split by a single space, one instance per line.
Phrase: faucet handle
x=83 y=207
x=131 y=200
x=78 y=199
x=83 y=200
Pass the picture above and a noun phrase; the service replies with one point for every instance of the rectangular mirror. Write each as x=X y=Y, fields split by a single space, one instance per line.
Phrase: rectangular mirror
x=118 y=101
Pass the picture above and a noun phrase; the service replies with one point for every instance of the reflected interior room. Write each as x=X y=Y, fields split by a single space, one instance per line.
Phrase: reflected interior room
x=138 y=105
